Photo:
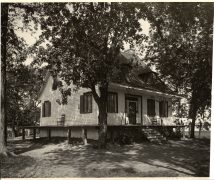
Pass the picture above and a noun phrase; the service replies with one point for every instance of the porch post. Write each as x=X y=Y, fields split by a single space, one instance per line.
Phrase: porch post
x=23 y=133
x=69 y=135
x=34 y=133
x=49 y=133
x=84 y=136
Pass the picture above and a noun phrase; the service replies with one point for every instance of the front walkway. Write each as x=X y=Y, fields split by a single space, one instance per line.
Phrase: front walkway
x=176 y=158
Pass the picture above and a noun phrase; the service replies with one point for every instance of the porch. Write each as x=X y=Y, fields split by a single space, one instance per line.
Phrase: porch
x=88 y=132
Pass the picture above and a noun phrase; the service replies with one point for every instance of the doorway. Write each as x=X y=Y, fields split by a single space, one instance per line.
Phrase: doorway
x=132 y=111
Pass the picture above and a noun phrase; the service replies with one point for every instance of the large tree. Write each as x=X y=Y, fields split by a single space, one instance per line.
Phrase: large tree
x=84 y=41
x=181 y=49
x=4 y=31
x=13 y=51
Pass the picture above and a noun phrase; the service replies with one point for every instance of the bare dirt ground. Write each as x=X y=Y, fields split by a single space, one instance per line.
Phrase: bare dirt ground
x=41 y=159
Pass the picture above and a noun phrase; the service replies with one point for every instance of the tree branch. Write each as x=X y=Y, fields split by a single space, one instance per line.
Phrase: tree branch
x=94 y=93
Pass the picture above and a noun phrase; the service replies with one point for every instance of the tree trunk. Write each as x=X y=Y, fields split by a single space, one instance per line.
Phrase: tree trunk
x=193 y=114
x=14 y=131
x=179 y=109
x=102 y=118
x=192 y=134
x=3 y=122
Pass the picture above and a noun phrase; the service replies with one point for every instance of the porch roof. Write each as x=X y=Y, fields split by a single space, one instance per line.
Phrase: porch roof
x=145 y=90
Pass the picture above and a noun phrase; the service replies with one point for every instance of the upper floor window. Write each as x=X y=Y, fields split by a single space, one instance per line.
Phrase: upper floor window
x=151 y=107
x=46 y=109
x=163 y=109
x=86 y=103
x=112 y=104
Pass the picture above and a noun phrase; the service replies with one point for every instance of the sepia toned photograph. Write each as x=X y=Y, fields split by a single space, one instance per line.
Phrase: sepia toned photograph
x=106 y=89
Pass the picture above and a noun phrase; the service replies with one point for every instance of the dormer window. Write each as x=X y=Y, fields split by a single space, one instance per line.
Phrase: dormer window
x=146 y=77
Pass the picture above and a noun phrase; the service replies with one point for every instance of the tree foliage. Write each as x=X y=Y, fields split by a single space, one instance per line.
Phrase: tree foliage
x=181 y=49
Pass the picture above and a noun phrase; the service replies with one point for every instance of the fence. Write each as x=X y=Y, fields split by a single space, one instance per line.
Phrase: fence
x=199 y=132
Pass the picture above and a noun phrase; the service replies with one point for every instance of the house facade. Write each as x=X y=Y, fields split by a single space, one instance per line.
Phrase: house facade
x=130 y=102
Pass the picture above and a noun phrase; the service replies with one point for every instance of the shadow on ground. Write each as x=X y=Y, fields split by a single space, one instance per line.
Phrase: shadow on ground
x=42 y=158
x=10 y=166
x=190 y=158
x=22 y=146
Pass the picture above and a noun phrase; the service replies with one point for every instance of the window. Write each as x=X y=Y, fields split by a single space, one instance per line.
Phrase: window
x=163 y=109
x=112 y=103
x=150 y=107
x=86 y=103
x=46 y=109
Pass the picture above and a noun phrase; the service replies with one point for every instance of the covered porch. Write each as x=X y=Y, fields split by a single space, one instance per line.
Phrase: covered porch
x=136 y=106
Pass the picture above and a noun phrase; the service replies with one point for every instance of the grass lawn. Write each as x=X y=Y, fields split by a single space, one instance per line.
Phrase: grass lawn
x=41 y=159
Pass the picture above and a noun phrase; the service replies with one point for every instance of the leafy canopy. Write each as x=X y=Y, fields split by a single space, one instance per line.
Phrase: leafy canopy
x=21 y=89
x=86 y=38
x=181 y=48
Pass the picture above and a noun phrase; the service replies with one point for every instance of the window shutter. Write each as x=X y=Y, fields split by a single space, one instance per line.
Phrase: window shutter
x=161 y=108
x=85 y=103
x=49 y=109
x=116 y=103
x=153 y=108
x=150 y=107
x=90 y=103
x=43 y=109
x=167 y=109
x=112 y=103
x=81 y=104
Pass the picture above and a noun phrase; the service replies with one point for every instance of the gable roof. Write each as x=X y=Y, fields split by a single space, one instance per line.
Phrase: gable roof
x=48 y=74
x=141 y=76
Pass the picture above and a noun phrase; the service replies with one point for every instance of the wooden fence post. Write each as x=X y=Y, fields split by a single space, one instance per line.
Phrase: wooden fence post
x=69 y=135
x=23 y=133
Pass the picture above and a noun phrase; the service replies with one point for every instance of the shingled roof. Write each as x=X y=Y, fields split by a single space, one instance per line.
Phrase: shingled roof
x=140 y=76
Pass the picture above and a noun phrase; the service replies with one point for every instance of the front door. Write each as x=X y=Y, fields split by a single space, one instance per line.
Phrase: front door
x=132 y=110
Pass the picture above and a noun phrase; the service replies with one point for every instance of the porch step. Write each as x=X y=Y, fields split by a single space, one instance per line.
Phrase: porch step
x=153 y=135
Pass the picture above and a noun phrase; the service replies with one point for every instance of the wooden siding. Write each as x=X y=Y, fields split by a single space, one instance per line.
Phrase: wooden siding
x=72 y=109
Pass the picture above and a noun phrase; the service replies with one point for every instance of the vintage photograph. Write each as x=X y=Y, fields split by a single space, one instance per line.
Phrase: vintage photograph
x=106 y=89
